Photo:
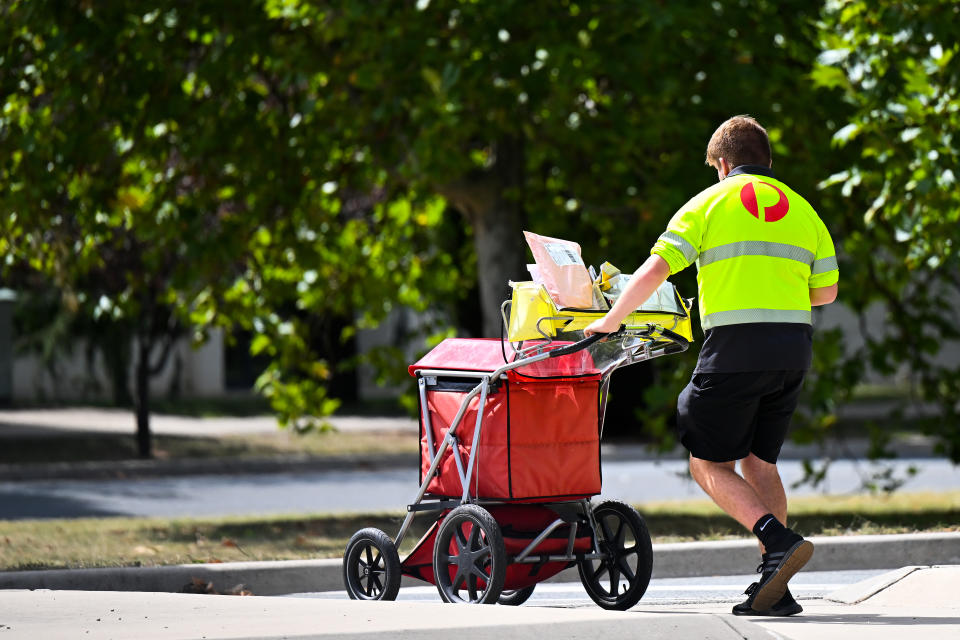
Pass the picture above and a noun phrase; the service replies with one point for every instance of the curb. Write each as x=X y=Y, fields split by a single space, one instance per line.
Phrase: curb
x=263 y=578
x=855 y=593
x=671 y=560
x=832 y=553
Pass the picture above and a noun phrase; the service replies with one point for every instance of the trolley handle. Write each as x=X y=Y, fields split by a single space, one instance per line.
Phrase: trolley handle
x=678 y=342
x=582 y=344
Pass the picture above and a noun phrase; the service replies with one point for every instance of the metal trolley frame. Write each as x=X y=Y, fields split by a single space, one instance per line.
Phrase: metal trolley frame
x=469 y=560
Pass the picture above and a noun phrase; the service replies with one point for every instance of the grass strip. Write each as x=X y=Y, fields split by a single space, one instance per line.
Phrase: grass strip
x=112 y=542
x=110 y=447
x=690 y=520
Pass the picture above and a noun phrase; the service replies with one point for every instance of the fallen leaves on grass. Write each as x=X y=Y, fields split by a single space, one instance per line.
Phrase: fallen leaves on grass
x=302 y=541
x=230 y=542
x=201 y=586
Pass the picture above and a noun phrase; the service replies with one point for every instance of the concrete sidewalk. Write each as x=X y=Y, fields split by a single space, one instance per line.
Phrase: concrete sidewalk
x=61 y=614
x=912 y=602
x=904 y=603
x=671 y=560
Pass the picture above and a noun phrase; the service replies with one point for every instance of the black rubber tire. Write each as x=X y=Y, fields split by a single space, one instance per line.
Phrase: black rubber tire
x=371 y=566
x=471 y=529
x=619 y=580
x=516 y=597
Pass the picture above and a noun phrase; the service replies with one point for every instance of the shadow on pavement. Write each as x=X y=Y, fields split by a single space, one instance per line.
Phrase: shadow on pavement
x=873 y=619
x=42 y=505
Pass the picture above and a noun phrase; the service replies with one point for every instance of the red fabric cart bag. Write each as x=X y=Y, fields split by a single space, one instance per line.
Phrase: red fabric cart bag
x=490 y=478
x=540 y=435
x=554 y=437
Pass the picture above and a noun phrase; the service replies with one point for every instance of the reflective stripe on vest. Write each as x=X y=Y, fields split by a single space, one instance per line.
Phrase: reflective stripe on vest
x=756 y=248
x=688 y=250
x=742 y=316
x=823 y=265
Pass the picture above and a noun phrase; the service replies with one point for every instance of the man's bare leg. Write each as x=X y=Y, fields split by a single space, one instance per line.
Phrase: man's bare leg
x=740 y=500
x=765 y=480
x=729 y=490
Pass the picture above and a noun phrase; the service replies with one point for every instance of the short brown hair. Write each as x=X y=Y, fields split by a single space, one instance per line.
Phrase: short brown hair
x=740 y=140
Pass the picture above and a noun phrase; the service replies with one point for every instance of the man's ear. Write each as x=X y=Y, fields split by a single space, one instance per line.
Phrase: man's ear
x=723 y=168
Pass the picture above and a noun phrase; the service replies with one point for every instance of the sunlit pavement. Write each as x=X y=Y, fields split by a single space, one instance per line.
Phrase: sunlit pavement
x=805 y=586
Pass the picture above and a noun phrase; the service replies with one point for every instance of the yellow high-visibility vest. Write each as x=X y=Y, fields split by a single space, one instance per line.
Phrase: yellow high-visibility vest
x=759 y=248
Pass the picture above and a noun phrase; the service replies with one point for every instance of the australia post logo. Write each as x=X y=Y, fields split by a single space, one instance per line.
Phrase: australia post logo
x=764 y=212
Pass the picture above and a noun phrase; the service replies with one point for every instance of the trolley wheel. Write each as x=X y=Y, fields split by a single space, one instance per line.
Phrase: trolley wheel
x=516 y=597
x=371 y=566
x=469 y=555
x=620 y=578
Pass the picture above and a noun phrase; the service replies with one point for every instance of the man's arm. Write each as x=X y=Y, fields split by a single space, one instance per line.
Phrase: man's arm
x=820 y=296
x=644 y=282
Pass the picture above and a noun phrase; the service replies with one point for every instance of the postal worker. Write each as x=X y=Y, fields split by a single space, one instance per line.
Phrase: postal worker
x=764 y=258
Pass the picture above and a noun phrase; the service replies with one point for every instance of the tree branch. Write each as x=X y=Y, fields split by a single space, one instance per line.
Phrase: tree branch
x=471 y=195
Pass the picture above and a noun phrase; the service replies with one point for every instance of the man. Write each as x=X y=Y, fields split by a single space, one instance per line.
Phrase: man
x=764 y=258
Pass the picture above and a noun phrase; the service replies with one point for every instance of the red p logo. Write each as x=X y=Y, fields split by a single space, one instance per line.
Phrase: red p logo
x=748 y=196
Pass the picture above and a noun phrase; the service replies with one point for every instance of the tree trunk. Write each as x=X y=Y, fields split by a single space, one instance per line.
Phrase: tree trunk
x=116 y=358
x=500 y=257
x=493 y=203
x=142 y=398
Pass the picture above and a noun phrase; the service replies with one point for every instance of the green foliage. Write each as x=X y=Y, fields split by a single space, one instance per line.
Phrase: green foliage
x=895 y=64
x=194 y=158
x=269 y=166
x=255 y=166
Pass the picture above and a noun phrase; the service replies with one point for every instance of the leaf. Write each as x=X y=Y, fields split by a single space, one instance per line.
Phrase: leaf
x=833 y=56
x=259 y=344
x=829 y=77
x=910 y=133
x=433 y=80
x=846 y=134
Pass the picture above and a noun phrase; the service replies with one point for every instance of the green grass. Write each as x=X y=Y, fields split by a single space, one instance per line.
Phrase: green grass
x=873 y=391
x=683 y=521
x=234 y=405
x=85 y=447
x=110 y=542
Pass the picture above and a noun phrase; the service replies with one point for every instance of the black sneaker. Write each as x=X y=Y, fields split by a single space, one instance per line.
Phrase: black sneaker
x=786 y=606
x=777 y=569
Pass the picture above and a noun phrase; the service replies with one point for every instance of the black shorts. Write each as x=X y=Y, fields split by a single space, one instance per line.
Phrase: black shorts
x=727 y=416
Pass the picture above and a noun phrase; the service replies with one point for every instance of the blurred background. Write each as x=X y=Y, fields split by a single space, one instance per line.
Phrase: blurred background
x=272 y=207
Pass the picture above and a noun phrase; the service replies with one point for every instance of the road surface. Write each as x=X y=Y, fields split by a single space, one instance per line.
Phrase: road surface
x=385 y=490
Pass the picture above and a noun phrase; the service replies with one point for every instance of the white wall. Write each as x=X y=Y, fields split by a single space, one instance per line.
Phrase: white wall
x=876 y=325
x=201 y=374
